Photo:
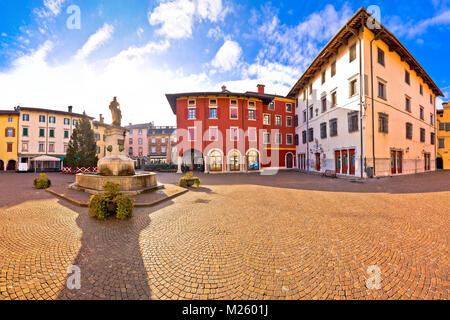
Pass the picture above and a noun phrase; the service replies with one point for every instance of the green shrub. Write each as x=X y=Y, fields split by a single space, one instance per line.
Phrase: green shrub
x=97 y=206
x=42 y=182
x=112 y=202
x=189 y=177
x=125 y=206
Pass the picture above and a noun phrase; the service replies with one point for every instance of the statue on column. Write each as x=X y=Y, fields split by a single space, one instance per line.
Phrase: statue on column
x=116 y=113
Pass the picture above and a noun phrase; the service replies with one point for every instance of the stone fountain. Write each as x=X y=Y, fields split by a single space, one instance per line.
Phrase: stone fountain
x=116 y=167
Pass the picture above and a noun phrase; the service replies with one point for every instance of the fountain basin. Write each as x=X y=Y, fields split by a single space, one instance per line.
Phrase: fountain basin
x=133 y=185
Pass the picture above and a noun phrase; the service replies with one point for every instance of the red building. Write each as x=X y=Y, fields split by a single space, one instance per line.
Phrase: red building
x=234 y=132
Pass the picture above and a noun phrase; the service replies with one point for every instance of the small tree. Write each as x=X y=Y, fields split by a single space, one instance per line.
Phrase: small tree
x=82 y=149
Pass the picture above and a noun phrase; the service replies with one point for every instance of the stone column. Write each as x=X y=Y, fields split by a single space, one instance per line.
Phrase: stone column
x=180 y=161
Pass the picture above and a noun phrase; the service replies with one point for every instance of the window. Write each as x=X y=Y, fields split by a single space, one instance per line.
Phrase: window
x=233 y=113
x=433 y=138
x=52 y=133
x=233 y=103
x=25 y=132
x=251 y=114
x=10 y=119
x=75 y=122
x=251 y=104
x=431 y=99
x=25 y=147
x=422 y=135
x=212 y=102
x=441 y=143
x=130 y=141
x=278 y=120
x=163 y=140
x=353 y=89
x=407 y=77
x=353 y=119
x=442 y=126
x=41 y=132
x=381 y=90
x=408 y=104
x=191 y=114
x=10 y=132
x=310 y=134
x=26 y=117
x=139 y=141
x=333 y=69
x=272 y=106
x=140 y=132
x=333 y=99
x=98 y=150
x=266 y=119
x=41 y=147
x=234 y=134
x=191 y=103
x=289 y=139
x=333 y=128
x=51 y=147
x=324 y=104
x=352 y=52
x=310 y=89
x=421 y=90
x=191 y=134
x=311 y=112
x=323 y=130
x=130 y=151
x=41 y=118
x=278 y=138
x=9 y=147
x=304 y=95
x=409 y=130
x=213 y=133
x=52 y=119
x=213 y=113
x=288 y=107
x=383 y=123
x=422 y=116
x=304 y=115
x=296 y=140
x=153 y=149
x=153 y=140
x=381 y=57
x=163 y=149
x=431 y=119
x=131 y=132
x=324 y=74
x=288 y=121
x=66 y=121
x=252 y=134
x=266 y=138
x=304 y=137
x=296 y=120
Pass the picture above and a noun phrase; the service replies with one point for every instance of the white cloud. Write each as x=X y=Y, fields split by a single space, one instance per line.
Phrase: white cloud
x=216 y=33
x=95 y=41
x=140 y=32
x=228 y=56
x=51 y=8
x=177 y=17
x=412 y=29
x=139 y=53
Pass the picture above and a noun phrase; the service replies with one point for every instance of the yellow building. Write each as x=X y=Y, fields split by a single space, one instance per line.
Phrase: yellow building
x=100 y=136
x=443 y=152
x=9 y=123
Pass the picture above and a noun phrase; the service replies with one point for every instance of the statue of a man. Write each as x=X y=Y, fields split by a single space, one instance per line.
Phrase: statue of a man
x=114 y=106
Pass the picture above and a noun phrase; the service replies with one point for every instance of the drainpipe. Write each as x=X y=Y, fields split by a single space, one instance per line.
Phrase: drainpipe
x=373 y=106
x=435 y=136
x=307 y=129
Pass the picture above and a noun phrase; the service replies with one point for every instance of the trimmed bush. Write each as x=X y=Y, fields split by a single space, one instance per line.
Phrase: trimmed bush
x=160 y=167
x=189 y=180
x=112 y=202
x=42 y=182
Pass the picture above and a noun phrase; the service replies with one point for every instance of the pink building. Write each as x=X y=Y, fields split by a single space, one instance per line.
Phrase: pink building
x=136 y=142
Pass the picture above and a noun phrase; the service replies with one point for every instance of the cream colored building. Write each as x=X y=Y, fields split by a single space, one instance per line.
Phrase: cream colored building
x=365 y=106
x=45 y=132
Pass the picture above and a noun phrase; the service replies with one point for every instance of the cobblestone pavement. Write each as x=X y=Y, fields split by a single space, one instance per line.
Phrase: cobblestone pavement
x=290 y=236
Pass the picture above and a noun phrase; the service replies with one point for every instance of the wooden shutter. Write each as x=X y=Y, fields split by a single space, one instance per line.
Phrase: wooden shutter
x=14 y=132
x=6 y=132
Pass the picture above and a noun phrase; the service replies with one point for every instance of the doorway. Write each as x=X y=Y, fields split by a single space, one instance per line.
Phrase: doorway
x=317 y=161
x=427 y=161
x=396 y=162
x=289 y=161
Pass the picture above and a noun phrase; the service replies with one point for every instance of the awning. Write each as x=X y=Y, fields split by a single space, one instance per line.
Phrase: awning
x=45 y=159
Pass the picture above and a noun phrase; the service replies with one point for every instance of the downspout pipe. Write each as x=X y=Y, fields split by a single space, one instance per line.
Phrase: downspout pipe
x=307 y=128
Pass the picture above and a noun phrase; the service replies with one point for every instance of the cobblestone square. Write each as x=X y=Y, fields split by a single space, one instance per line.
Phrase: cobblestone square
x=238 y=236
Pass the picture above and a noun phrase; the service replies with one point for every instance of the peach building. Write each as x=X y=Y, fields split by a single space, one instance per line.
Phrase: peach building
x=45 y=132
x=443 y=144
x=136 y=142
x=365 y=106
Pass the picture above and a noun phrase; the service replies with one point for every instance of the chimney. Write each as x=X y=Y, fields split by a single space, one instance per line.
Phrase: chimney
x=102 y=120
x=130 y=124
x=224 y=88
x=261 y=88
x=70 y=109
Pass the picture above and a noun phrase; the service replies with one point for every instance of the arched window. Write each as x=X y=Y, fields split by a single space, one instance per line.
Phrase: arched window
x=215 y=161
x=234 y=161
x=253 y=160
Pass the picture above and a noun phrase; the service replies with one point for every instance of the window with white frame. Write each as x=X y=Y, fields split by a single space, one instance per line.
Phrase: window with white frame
x=213 y=133
x=289 y=139
x=288 y=107
x=266 y=119
x=288 y=121
x=251 y=105
x=213 y=102
x=251 y=114
x=272 y=106
x=266 y=137
x=278 y=138
x=191 y=103
x=278 y=120
x=234 y=134
x=191 y=113
x=233 y=113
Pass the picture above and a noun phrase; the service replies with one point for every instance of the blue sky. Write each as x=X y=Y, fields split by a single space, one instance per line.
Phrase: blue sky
x=139 y=50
